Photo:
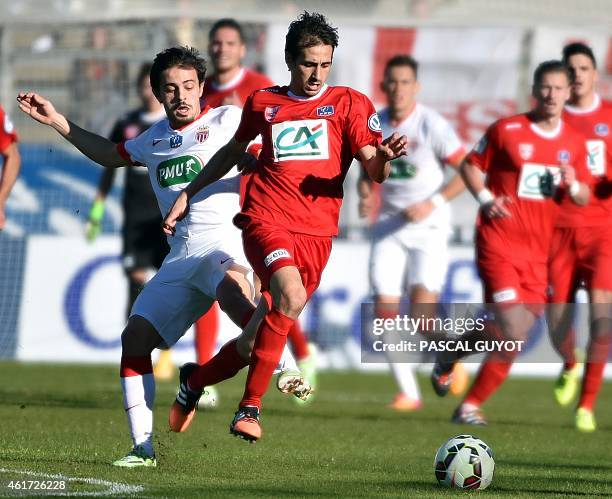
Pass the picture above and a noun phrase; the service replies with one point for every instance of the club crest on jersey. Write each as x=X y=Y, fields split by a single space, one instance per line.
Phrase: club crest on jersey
x=563 y=156
x=325 y=111
x=303 y=140
x=270 y=113
x=525 y=151
x=602 y=129
x=374 y=123
x=179 y=170
x=176 y=141
x=202 y=133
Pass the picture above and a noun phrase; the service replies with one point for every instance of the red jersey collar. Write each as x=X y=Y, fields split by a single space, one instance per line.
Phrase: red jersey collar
x=202 y=113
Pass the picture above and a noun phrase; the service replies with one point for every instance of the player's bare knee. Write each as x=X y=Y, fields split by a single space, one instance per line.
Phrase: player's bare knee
x=291 y=300
x=139 y=337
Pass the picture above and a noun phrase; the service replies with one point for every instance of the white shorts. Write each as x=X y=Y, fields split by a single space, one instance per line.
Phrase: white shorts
x=402 y=257
x=185 y=286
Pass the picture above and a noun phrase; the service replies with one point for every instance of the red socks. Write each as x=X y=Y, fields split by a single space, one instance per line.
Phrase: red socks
x=299 y=344
x=593 y=372
x=206 y=332
x=222 y=366
x=493 y=372
x=269 y=344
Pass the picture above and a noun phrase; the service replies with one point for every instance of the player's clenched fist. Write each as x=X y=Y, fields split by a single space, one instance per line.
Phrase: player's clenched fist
x=568 y=175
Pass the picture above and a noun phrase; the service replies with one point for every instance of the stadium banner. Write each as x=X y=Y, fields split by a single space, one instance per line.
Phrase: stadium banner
x=74 y=299
x=470 y=76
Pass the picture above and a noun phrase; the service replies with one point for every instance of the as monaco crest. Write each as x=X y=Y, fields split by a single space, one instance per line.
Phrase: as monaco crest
x=202 y=134
x=270 y=113
x=525 y=151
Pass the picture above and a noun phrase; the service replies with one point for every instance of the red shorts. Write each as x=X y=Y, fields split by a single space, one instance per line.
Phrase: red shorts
x=512 y=281
x=579 y=256
x=269 y=248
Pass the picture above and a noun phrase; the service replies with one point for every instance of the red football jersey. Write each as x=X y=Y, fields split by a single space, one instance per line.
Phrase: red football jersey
x=244 y=85
x=522 y=162
x=308 y=146
x=8 y=135
x=594 y=124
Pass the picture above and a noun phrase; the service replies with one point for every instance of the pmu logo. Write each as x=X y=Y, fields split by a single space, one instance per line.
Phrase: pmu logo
x=303 y=140
x=179 y=170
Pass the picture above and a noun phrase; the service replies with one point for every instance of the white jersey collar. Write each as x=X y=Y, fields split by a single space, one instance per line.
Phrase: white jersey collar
x=584 y=110
x=547 y=134
x=314 y=97
x=230 y=84
x=154 y=117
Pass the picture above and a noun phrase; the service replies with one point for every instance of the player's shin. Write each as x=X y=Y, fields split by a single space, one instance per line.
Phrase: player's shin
x=138 y=386
x=268 y=349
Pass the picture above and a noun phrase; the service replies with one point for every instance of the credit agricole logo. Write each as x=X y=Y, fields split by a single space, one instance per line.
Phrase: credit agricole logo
x=303 y=140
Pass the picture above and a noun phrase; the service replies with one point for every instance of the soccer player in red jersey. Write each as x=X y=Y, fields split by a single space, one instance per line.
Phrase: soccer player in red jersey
x=12 y=161
x=232 y=83
x=581 y=250
x=311 y=132
x=532 y=162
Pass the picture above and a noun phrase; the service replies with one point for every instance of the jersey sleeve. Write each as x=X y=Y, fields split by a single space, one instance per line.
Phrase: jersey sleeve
x=363 y=124
x=8 y=135
x=445 y=141
x=247 y=129
x=132 y=150
x=483 y=152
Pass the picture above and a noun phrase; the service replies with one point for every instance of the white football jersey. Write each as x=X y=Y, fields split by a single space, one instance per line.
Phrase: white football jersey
x=420 y=174
x=174 y=158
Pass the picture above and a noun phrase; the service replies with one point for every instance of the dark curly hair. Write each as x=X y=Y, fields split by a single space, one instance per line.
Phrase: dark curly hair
x=183 y=57
x=309 y=30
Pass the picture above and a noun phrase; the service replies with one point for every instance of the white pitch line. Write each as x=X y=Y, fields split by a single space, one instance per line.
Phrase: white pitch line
x=114 y=488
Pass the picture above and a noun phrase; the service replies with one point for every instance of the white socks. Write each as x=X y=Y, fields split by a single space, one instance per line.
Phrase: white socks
x=138 y=397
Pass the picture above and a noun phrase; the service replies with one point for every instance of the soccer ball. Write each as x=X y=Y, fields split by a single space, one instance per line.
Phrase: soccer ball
x=464 y=462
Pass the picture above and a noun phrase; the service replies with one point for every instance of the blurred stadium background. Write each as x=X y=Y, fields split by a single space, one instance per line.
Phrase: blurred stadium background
x=62 y=299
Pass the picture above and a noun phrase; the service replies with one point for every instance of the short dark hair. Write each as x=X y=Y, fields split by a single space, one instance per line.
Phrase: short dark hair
x=402 y=60
x=226 y=22
x=144 y=72
x=552 y=66
x=309 y=30
x=183 y=57
x=578 y=48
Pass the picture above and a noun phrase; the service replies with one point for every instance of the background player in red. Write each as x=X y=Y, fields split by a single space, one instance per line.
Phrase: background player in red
x=144 y=246
x=581 y=251
x=11 y=162
x=531 y=161
x=311 y=132
x=232 y=83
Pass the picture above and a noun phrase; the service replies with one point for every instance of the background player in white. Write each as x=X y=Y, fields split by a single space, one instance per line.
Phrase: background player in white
x=409 y=255
x=206 y=260
x=144 y=246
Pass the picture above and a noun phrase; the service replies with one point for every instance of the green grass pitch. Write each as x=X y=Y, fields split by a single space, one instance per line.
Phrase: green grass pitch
x=69 y=420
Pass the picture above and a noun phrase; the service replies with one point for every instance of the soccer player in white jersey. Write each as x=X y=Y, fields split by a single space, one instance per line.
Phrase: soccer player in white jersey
x=206 y=260
x=409 y=255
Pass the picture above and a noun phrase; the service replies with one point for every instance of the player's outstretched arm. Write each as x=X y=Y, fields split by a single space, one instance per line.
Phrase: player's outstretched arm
x=375 y=160
x=97 y=148
x=221 y=163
